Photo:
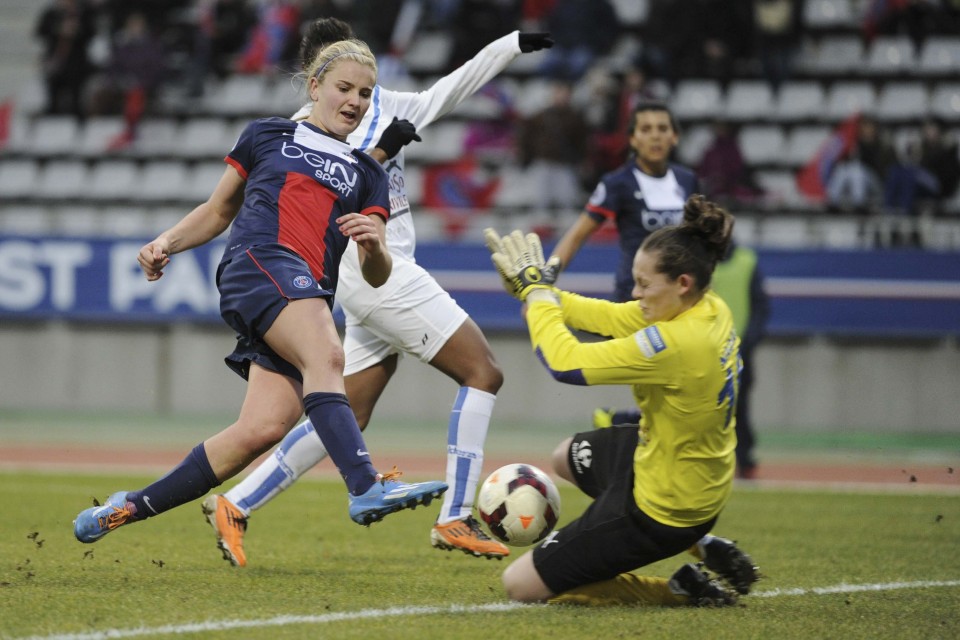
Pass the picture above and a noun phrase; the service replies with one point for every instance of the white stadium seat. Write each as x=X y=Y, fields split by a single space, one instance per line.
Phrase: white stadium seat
x=163 y=180
x=98 y=133
x=53 y=135
x=940 y=55
x=902 y=101
x=114 y=180
x=693 y=143
x=945 y=101
x=63 y=180
x=762 y=144
x=826 y=14
x=837 y=55
x=749 y=100
x=891 y=55
x=800 y=99
x=18 y=178
x=697 y=99
x=847 y=98
x=803 y=142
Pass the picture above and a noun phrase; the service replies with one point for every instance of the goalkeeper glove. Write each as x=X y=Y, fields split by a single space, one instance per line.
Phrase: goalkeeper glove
x=397 y=135
x=535 y=41
x=519 y=261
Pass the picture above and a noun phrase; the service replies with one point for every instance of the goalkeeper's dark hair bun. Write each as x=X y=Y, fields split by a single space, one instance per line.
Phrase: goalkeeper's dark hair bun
x=697 y=244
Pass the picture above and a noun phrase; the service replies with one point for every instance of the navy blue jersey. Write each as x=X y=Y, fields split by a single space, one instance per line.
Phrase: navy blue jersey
x=639 y=204
x=299 y=181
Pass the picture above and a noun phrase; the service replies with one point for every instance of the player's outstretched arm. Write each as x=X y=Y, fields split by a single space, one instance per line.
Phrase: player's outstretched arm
x=397 y=135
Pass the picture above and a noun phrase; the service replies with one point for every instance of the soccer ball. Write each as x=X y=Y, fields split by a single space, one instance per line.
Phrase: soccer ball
x=519 y=504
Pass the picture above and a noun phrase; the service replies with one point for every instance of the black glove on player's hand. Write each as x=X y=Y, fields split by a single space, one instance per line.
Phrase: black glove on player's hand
x=535 y=41
x=397 y=135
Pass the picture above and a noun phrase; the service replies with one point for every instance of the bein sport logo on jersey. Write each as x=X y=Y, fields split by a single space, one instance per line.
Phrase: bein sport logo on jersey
x=326 y=169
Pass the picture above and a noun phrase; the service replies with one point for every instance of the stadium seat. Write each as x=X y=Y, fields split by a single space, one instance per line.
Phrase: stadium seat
x=845 y=98
x=26 y=220
x=798 y=100
x=516 y=191
x=240 y=94
x=206 y=137
x=940 y=55
x=780 y=190
x=114 y=180
x=803 y=142
x=902 y=101
x=631 y=13
x=828 y=14
x=693 y=142
x=18 y=178
x=442 y=142
x=156 y=138
x=413 y=181
x=785 y=232
x=890 y=55
x=126 y=222
x=201 y=181
x=63 y=180
x=78 y=220
x=697 y=100
x=429 y=52
x=98 y=133
x=837 y=55
x=945 y=101
x=749 y=100
x=163 y=180
x=842 y=232
x=533 y=95
x=762 y=144
x=54 y=136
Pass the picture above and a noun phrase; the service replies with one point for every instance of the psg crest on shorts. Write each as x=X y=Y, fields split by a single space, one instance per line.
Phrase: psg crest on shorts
x=303 y=282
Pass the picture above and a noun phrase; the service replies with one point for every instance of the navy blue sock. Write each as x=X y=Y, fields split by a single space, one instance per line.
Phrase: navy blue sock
x=337 y=427
x=189 y=480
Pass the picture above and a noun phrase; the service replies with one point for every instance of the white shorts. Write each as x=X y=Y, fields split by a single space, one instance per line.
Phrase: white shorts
x=412 y=314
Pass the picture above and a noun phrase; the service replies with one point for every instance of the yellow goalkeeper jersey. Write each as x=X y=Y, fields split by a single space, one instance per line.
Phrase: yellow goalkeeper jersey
x=685 y=375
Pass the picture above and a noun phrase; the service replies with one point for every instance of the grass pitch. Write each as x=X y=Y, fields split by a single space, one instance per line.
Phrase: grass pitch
x=836 y=565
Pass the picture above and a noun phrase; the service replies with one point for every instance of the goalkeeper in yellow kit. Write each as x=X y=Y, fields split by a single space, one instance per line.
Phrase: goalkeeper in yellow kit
x=659 y=490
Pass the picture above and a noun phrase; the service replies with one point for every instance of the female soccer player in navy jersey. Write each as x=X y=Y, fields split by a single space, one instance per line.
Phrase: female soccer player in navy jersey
x=410 y=315
x=296 y=195
x=645 y=194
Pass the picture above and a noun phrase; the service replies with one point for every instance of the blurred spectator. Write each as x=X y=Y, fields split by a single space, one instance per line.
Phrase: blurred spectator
x=493 y=136
x=608 y=103
x=667 y=34
x=915 y=18
x=66 y=28
x=224 y=28
x=477 y=22
x=856 y=180
x=583 y=30
x=273 y=40
x=929 y=172
x=723 y=172
x=134 y=71
x=777 y=27
x=553 y=144
x=720 y=37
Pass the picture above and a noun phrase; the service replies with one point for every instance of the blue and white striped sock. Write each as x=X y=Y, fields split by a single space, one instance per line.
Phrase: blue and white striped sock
x=466 y=434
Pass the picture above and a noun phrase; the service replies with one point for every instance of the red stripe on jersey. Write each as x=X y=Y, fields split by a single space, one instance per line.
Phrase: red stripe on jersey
x=383 y=213
x=305 y=209
x=606 y=213
x=236 y=165
x=267 y=273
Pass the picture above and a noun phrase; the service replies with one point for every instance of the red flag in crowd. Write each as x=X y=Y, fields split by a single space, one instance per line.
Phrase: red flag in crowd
x=812 y=178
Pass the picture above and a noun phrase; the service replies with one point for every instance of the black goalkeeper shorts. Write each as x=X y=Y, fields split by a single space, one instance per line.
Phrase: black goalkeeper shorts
x=613 y=535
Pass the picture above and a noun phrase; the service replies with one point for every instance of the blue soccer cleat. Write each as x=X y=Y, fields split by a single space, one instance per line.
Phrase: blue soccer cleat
x=388 y=494
x=94 y=523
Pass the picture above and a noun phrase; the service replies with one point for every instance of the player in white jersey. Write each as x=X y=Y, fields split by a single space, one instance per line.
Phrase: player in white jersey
x=410 y=314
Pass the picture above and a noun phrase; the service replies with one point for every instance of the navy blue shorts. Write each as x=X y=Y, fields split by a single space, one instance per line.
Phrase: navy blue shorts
x=255 y=286
x=613 y=535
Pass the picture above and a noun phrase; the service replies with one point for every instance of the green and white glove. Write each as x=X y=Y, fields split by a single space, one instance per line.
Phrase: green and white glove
x=519 y=261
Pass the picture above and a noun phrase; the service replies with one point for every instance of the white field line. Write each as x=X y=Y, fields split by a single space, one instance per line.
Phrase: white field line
x=392 y=612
